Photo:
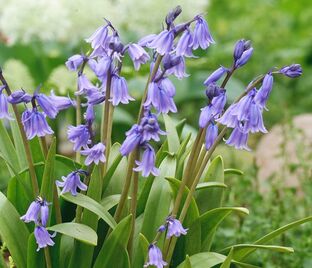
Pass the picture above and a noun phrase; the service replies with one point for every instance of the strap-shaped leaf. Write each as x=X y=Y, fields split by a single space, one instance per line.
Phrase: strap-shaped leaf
x=13 y=232
x=92 y=205
x=78 y=231
x=172 y=135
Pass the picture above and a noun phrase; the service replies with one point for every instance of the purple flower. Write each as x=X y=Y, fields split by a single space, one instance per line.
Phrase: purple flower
x=98 y=38
x=155 y=257
x=175 y=65
x=238 y=139
x=144 y=41
x=95 y=96
x=147 y=164
x=138 y=55
x=184 y=45
x=71 y=183
x=119 y=91
x=202 y=37
x=46 y=104
x=211 y=135
x=150 y=127
x=101 y=67
x=19 y=96
x=218 y=103
x=43 y=238
x=265 y=90
x=160 y=99
x=215 y=76
x=213 y=90
x=94 y=154
x=78 y=135
x=74 y=62
x=244 y=58
x=292 y=71
x=228 y=118
x=175 y=228
x=35 y=124
x=60 y=102
x=4 y=105
x=240 y=46
x=37 y=212
x=89 y=115
x=84 y=85
x=134 y=136
x=254 y=121
x=162 y=42
x=168 y=86
x=242 y=108
x=205 y=116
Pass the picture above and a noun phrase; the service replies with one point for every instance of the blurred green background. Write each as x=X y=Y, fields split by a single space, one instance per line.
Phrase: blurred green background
x=37 y=36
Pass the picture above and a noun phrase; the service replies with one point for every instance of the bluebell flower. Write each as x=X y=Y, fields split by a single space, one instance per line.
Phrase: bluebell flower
x=144 y=41
x=79 y=135
x=254 y=121
x=61 y=102
x=202 y=37
x=71 y=183
x=84 y=85
x=119 y=91
x=47 y=105
x=205 y=116
x=74 y=62
x=38 y=212
x=95 y=96
x=4 y=105
x=292 y=71
x=147 y=164
x=264 y=91
x=94 y=154
x=138 y=55
x=98 y=38
x=163 y=42
x=43 y=238
x=213 y=90
x=150 y=127
x=19 y=96
x=215 y=76
x=35 y=124
x=244 y=58
x=184 y=45
x=175 y=65
x=100 y=67
x=89 y=115
x=166 y=84
x=238 y=139
x=133 y=139
x=218 y=103
x=211 y=135
x=240 y=46
x=242 y=107
x=175 y=228
x=228 y=118
x=155 y=257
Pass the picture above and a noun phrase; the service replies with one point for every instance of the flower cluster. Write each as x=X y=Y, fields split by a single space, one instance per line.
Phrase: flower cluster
x=38 y=212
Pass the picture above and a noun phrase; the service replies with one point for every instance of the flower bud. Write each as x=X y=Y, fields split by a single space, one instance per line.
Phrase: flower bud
x=173 y=14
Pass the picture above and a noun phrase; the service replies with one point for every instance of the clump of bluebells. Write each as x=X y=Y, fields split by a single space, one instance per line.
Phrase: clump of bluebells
x=166 y=53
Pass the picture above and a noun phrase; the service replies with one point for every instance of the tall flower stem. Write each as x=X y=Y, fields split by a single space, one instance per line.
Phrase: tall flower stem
x=47 y=257
x=29 y=159
x=56 y=202
x=78 y=122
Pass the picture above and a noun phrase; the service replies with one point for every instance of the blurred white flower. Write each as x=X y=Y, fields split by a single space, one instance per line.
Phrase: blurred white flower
x=73 y=20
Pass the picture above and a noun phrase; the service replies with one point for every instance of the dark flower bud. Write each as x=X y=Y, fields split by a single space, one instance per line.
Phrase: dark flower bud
x=116 y=45
x=292 y=71
x=240 y=47
x=171 y=61
x=213 y=90
x=19 y=96
x=172 y=15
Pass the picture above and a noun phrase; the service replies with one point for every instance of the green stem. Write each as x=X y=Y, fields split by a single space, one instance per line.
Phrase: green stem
x=29 y=159
x=47 y=257
x=78 y=122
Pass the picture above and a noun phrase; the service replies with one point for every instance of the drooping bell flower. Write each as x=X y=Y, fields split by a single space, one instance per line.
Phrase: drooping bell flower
x=144 y=41
x=184 y=45
x=98 y=38
x=133 y=139
x=4 y=105
x=71 y=183
x=119 y=91
x=150 y=127
x=163 y=42
x=241 y=109
x=147 y=163
x=94 y=154
x=95 y=96
x=244 y=58
x=101 y=67
x=264 y=91
x=228 y=118
x=46 y=104
x=35 y=124
x=155 y=257
x=74 y=62
x=43 y=238
x=38 y=212
x=175 y=228
x=19 y=96
x=61 y=102
x=254 y=122
x=211 y=135
x=84 y=85
x=202 y=37
x=138 y=55
x=175 y=65
x=79 y=135
x=215 y=76
x=238 y=139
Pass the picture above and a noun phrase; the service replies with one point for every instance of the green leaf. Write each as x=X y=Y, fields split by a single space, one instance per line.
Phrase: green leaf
x=187 y=262
x=210 y=198
x=110 y=201
x=211 y=220
x=204 y=259
x=8 y=151
x=242 y=254
x=92 y=205
x=48 y=180
x=13 y=232
x=140 y=247
x=180 y=126
x=241 y=248
x=227 y=261
x=158 y=202
x=36 y=151
x=210 y=184
x=172 y=135
x=233 y=171
x=113 y=251
x=78 y=231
